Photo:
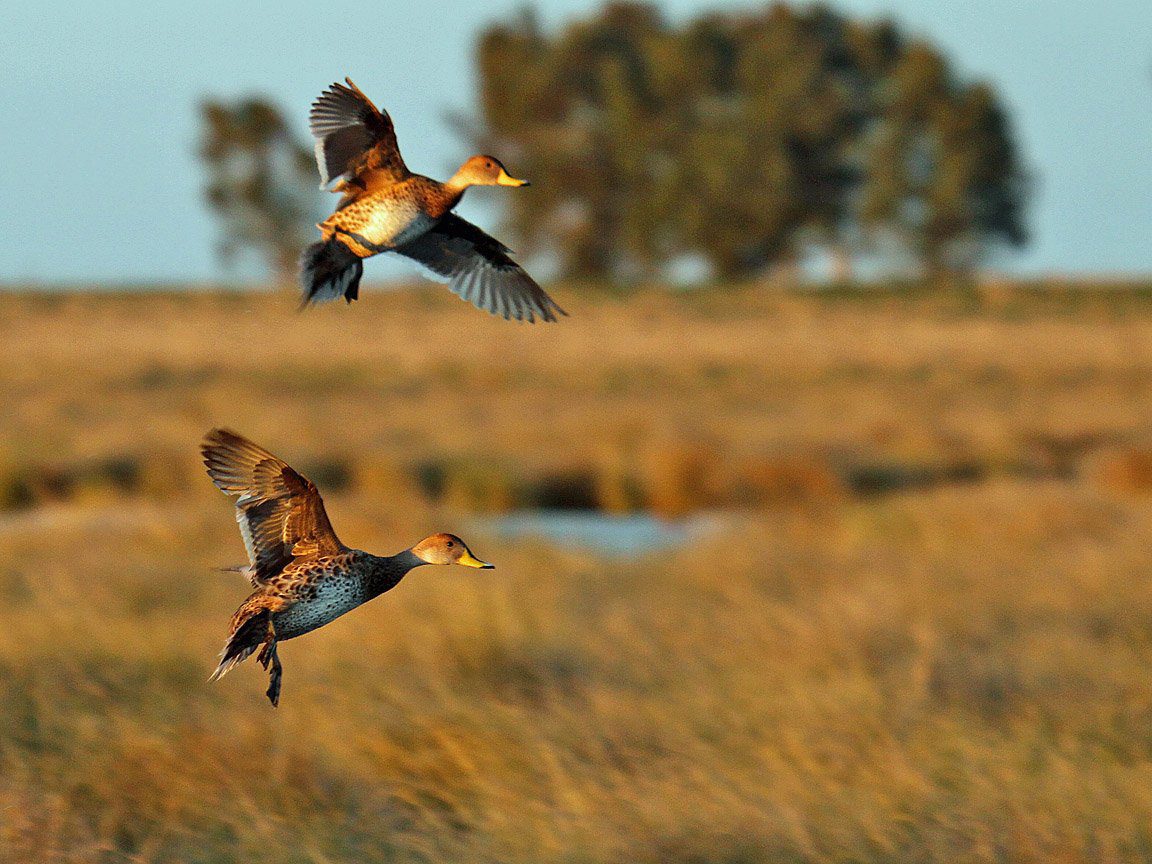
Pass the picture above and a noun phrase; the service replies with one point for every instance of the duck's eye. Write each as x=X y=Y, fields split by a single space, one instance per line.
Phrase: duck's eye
x=450 y=544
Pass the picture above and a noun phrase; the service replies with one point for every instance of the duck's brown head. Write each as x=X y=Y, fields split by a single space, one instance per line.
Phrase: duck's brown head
x=485 y=171
x=447 y=549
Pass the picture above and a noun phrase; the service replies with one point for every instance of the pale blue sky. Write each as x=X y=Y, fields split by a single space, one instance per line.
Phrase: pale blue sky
x=99 y=180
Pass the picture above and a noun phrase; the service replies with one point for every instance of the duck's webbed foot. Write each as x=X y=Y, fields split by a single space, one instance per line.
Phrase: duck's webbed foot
x=274 y=678
x=266 y=657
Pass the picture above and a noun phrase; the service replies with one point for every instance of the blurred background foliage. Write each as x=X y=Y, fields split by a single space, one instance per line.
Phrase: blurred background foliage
x=745 y=138
x=914 y=627
x=260 y=181
x=731 y=144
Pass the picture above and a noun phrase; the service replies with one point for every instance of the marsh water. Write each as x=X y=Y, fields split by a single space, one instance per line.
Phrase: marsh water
x=625 y=535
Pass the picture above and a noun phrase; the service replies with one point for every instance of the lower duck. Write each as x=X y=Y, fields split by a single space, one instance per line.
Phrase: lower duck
x=303 y=575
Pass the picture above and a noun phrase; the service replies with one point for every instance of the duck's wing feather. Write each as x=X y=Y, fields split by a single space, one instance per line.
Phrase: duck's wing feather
x=280 y=512
x=352 y=135
x=478 y=268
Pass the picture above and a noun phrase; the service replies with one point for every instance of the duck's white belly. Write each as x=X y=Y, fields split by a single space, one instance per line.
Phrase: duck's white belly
x=396 y=223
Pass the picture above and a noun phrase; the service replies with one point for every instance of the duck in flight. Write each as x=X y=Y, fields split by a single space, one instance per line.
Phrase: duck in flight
x=387 y=208
x=303 y=575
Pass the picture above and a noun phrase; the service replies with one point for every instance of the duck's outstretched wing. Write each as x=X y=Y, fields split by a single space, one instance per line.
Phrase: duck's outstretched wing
x=280 y=512
x=353 y=136
x=477 y=268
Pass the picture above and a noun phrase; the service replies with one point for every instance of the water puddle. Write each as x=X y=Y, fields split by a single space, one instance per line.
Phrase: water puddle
x=605 y=533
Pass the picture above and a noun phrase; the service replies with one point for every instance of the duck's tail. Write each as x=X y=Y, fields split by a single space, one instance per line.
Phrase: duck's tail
x=245 y=639
x=245 y=570
x=329 y=269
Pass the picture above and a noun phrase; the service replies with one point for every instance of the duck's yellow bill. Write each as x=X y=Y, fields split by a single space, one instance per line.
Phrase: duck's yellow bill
x=505 y=179
x=470 y=560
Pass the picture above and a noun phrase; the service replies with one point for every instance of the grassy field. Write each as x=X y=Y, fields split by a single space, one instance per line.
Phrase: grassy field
x=924 y=634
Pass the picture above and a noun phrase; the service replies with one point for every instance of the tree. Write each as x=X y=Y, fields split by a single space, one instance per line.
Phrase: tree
x=744 y=138
x=942 y=173
x=261 y=181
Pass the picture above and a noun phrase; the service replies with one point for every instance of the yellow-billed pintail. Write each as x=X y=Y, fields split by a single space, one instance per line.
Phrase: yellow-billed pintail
x=303 y=575
x=387 y=208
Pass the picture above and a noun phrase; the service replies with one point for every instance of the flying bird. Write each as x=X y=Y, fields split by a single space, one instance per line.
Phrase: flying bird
x=303 y=575
x=387 y=208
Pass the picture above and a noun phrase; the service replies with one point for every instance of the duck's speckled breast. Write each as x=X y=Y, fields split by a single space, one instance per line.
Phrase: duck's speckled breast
x=327 y=598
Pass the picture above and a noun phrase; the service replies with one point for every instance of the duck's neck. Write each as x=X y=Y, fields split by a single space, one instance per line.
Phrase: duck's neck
x=388 y=570
x=455 y=187
x=406 y=560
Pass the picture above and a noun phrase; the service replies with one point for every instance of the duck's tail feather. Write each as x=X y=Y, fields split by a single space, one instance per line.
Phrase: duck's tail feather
x=245 y=570
x=249 y=636
x=329 y=269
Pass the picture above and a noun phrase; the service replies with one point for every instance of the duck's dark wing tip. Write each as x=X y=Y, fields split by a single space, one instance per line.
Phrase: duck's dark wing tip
x=478 y=269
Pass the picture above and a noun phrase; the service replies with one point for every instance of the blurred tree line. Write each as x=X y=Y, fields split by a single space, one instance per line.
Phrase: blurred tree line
x=261 y=181
x=745 y=138
x=741 y=138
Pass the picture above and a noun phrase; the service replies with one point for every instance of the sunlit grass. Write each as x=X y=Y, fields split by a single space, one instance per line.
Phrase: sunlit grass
x=955 y=670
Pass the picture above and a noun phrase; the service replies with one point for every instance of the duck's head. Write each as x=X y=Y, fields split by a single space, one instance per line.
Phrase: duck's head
x=485 y=171
x=447 y=549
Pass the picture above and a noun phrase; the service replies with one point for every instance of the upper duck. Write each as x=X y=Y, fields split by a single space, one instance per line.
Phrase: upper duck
x=387 y=208
x=303 y=575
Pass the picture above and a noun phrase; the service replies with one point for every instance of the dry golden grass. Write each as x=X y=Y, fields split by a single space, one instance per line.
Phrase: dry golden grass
x=952 y=671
